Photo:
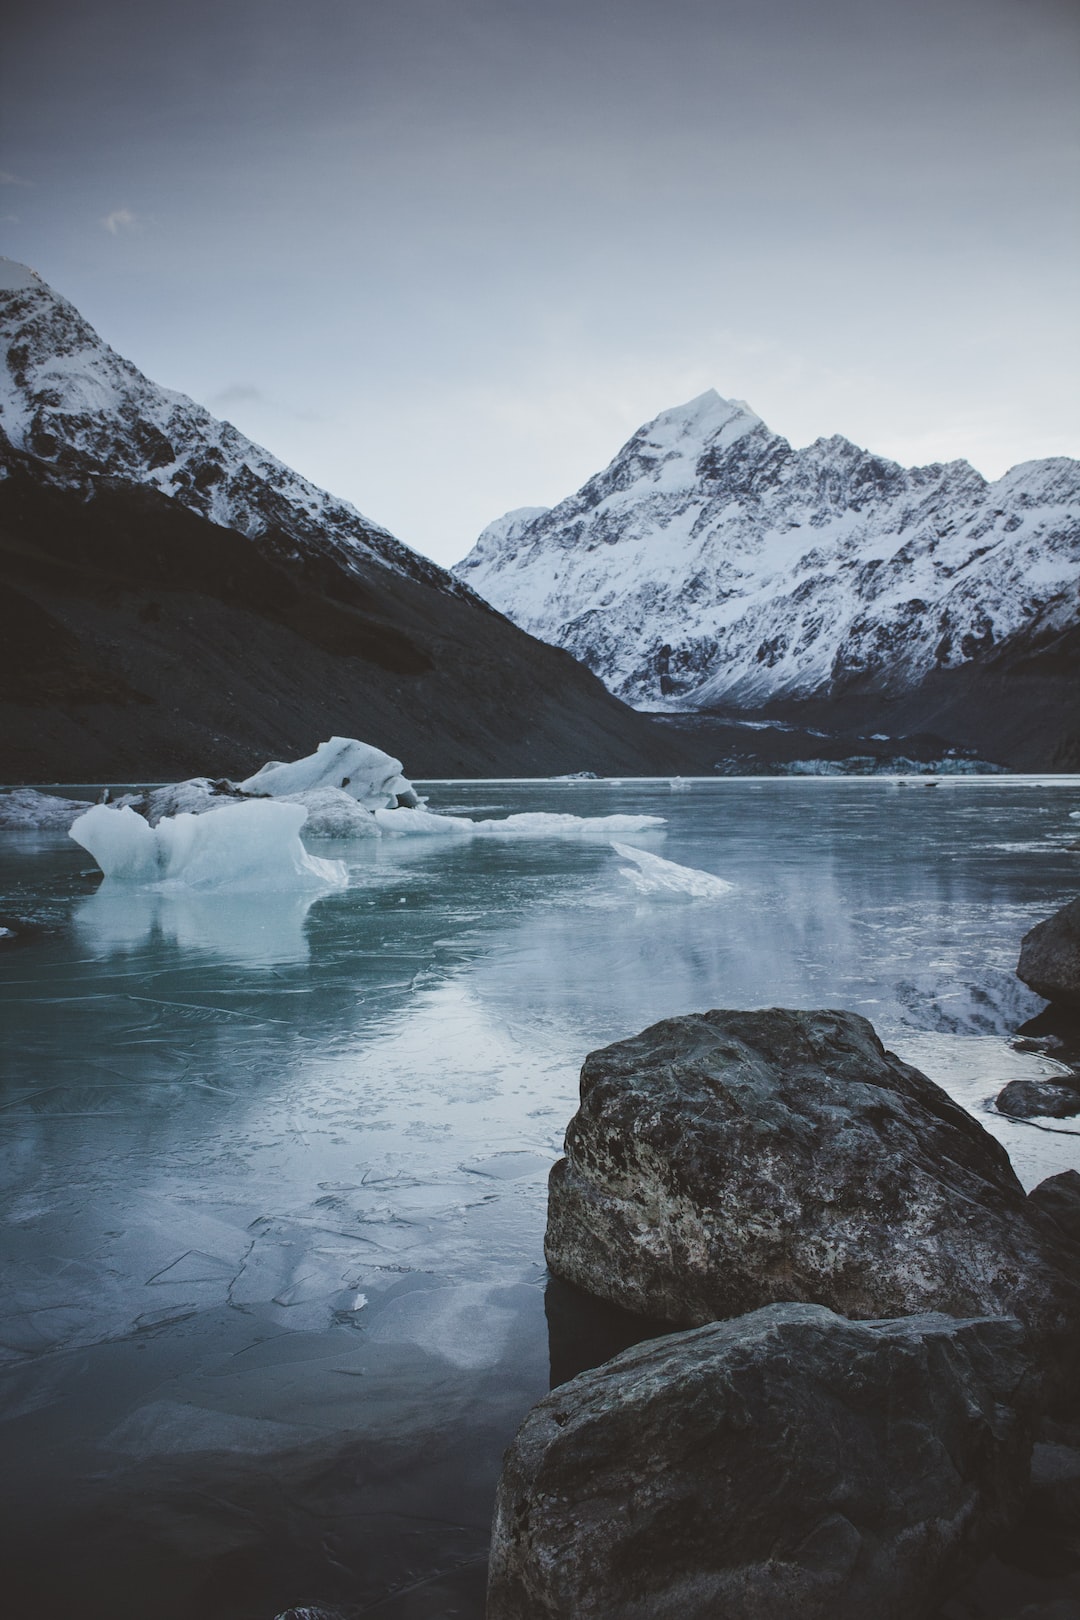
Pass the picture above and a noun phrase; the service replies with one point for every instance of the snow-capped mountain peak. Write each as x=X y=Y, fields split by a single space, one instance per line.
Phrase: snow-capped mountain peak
x=707 y=419
x=16 y=277
x=710 y=563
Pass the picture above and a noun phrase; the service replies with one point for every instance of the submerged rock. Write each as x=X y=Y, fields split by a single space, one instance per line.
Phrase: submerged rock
x=1050 y=956
x=723 y=1161
x=1051 y=1098
x=788 y=1463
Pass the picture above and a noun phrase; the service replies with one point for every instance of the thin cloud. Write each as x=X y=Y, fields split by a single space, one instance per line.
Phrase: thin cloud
x=121 y=219
x=9 y=179
x=239 y=394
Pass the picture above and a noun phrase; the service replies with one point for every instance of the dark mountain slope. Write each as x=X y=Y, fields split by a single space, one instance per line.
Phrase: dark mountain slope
x=177 y=600
x=144 y=642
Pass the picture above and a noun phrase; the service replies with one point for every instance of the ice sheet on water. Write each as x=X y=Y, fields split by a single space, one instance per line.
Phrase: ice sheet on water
x=651 y=875
x=526 y=824
x=368 y=775
x=468 y=1325
x=255 y=846
x=168 y=1428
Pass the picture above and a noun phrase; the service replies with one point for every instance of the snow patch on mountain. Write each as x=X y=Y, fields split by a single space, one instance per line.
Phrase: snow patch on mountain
x=85 y=413
x=712 y=564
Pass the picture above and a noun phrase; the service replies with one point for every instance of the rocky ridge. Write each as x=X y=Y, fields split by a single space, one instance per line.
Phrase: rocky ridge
x=84 y=412
x=176 y=600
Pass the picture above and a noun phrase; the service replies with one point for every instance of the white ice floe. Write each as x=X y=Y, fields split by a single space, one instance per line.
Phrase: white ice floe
x=365 y=773
x=27 y=810
x=528 y=824
x=245 y=846
x=652 y=875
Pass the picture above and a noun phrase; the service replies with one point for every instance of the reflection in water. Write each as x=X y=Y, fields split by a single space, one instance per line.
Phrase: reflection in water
x=250 y=930
x=275 y=1168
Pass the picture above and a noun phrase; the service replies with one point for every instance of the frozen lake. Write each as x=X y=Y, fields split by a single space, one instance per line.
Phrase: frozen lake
x=274 y=1168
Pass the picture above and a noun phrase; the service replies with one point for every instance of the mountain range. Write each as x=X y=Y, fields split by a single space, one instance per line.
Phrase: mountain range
x=177 y=600
x=712 y=569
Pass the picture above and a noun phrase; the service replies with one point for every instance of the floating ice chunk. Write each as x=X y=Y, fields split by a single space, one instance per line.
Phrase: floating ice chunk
x=550 y=824
x=25 y=809
x=651 y=875
x=246 y=846
x=123 y=844
x=528 y=824
x=334 y=813
x=365 y=773
x=408 y=823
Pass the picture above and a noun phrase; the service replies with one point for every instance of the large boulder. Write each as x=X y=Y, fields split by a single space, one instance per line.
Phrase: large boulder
x=1052 y=1099
x=1050 y=956
x=1059 y=1197
x=788 y=1463
x=726 y=1160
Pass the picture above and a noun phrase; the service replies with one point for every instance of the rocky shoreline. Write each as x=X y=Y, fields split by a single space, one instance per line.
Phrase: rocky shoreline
x=871 y=1402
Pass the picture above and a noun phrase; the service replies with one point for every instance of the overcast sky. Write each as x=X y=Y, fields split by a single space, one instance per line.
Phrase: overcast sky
x=443 y=256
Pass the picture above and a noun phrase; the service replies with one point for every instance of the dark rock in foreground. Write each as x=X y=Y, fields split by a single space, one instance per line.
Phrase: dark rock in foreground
x=788 y=1463
x=1050 y=956
x=1053 y=1099
x=727 y=1160
x=1059 y=1197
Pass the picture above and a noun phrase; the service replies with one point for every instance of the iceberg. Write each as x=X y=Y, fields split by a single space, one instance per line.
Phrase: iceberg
x=652 y=875
x=253 y=845
x=365 y=773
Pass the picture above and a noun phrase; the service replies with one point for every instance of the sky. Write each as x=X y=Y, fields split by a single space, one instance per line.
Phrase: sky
x=444 y=256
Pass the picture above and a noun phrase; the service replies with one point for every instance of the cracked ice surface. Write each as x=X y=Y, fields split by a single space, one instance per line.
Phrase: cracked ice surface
x=274 y=1167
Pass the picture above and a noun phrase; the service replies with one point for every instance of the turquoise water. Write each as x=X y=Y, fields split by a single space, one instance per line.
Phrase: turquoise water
x=274 y=1168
